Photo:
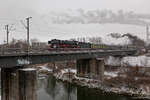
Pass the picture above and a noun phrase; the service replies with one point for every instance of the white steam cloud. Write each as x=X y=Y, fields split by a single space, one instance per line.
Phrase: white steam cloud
x=99 y=16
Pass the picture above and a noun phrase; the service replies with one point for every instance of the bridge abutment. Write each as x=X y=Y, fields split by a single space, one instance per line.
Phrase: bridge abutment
x=91 y=68
x=18 y=84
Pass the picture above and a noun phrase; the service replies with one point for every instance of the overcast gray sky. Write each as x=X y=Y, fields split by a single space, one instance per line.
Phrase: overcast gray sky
x=11 y=7
x=12 y=10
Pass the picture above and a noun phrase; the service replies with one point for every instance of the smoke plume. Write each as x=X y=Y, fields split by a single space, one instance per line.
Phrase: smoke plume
x=100 y=17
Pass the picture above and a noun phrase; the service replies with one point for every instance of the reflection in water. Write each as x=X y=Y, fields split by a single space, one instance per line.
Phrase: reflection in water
x=90 y=94
x=50 y=89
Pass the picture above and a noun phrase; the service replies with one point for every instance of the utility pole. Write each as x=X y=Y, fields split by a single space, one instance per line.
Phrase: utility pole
x=147 y=35
x=28 y=29
x=27 y=26
x=7 y=32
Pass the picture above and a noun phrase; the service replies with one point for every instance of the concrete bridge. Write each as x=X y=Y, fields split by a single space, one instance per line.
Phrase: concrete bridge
x=89 y=62
x=20 y=59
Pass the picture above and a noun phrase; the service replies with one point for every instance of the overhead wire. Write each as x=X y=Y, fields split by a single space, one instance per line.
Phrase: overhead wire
x=36 y=28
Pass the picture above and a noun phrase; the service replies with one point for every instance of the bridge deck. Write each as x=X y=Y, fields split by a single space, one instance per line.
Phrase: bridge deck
x=20 y=59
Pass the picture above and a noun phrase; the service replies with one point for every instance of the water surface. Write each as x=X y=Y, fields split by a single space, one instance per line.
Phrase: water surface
x=50 y=89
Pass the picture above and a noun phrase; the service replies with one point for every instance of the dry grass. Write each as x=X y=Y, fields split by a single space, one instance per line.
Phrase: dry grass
x=131 y=77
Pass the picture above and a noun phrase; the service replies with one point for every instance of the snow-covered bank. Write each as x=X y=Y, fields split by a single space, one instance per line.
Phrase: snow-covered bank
x=142 y=91
x=113 y=61
x=141 y=61
x=44 y=68
x=111 y=74
x=114 y=82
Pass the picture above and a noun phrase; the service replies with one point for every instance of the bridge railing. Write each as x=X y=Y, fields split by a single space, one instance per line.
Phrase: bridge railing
x=5 y=50
x=20 y=50
x=38 y=50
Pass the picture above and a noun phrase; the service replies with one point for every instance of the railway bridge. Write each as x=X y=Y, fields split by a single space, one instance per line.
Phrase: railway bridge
x=88 y=61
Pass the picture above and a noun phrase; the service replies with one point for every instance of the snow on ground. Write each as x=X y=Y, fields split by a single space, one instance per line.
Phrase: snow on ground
x=133 y=61
x=44 y=68
x=113 y=61
x=61 y=74
x=142 y=61
x=28 y=69
x=68 y=70
x=111 y=74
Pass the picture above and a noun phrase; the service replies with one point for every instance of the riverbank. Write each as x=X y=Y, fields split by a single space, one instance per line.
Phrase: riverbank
x=122 y=81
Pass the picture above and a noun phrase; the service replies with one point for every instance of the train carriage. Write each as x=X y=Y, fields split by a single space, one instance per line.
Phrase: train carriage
x=99 y=46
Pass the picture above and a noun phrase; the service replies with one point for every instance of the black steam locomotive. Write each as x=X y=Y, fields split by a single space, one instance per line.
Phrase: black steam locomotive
x=55 y=43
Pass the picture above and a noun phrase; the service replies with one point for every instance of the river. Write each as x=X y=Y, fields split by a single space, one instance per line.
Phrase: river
x=51 y=89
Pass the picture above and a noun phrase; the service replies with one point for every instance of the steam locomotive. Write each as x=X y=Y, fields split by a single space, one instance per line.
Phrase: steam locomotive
x=55 y=43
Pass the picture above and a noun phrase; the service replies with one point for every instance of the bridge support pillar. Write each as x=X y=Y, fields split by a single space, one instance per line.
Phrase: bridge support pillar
x=5 y=83
x=93 y=71
x=100 y=64
x=91 y=68
x=83 y=67
x=27 y=84
x=18 y=84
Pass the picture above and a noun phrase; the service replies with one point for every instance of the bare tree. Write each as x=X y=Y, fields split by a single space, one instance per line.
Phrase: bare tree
x=95 y=40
